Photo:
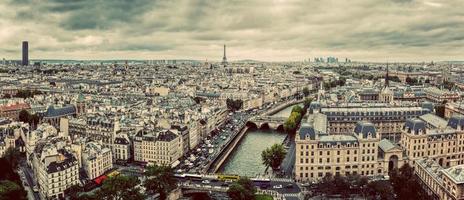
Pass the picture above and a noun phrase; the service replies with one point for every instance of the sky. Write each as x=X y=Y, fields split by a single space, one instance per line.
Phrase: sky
x=266 y=30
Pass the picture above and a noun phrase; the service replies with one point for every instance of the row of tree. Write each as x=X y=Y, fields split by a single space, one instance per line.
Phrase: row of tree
x=10 y=183
x=160 y=180
x=291 y=124
x=403 y=185
x=340 y=82
x=352 y=186
x=23 y=94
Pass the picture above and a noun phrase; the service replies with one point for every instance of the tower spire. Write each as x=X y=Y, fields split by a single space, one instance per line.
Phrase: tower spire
x=386 y=78
x=224 y=59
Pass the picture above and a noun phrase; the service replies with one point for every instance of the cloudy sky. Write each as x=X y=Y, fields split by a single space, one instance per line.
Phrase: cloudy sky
x=270 y=30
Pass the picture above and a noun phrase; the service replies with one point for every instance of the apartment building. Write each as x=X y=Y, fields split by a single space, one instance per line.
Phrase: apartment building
x=388 y=120
x=55 y=168
x=96 y=159
x=319 y=154
x=158 y=146
x=445 y=145
x=441 y=183
x=121 y=148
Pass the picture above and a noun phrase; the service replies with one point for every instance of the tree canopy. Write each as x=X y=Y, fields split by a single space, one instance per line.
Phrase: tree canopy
x=234 y=105
x=10 y=183
x=356 y=185
x=307 y=103
x=243 y=189
x=160 y=180
x=26 y=117
x=27 y=93
x=407 y=185
x=291 y=124
x=11 y=190
x=306 y=91
x=273 y=156
x=120 y=188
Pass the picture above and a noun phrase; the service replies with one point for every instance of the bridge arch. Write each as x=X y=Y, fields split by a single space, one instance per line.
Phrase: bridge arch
x=265 y=126
x=251 y=125
x=280 y=128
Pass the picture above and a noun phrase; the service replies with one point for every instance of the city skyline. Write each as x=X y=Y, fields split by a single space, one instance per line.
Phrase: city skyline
x=395 y=30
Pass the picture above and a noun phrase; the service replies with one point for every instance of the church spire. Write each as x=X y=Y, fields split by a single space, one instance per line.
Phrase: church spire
x=386 y=78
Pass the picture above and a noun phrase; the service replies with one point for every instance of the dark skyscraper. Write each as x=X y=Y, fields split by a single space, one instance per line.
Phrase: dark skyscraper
x=25 y=60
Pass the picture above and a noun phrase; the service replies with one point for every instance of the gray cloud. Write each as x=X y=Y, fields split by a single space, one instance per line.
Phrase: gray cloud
x=258 y=29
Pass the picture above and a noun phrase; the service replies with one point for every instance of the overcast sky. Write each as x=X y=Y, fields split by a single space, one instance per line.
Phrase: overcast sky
x=269 y=30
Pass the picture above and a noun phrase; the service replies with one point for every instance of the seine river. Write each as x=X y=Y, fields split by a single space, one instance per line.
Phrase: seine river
x=246 y=160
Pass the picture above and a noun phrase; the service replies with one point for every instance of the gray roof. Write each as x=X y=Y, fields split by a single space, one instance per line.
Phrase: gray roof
x=307 y=130
x=456 y=121
x=338 y=139
x=386 y=145
x=364 y=128
x=58 y=112
x=414 y=126
x=456 y=174
x=428 y=105
x=434 y=120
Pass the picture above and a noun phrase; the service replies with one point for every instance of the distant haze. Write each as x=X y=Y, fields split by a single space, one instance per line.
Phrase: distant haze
x=267 y=30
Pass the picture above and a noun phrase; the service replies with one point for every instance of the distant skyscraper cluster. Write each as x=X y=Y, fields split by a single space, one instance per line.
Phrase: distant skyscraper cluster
x=329 y=60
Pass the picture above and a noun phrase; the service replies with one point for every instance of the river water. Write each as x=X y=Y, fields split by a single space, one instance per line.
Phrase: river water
x=246 y=159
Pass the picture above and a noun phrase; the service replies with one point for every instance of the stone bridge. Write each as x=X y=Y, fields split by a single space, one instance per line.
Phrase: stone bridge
x=267 y=122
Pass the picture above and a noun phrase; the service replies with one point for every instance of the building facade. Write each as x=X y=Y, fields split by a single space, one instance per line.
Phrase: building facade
x=319 y=154
x=55 y=169
x=161 y=147
x=96 y=159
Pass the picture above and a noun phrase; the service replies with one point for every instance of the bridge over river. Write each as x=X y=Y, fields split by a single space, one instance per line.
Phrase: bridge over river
x=242 y=154
x=267 y=122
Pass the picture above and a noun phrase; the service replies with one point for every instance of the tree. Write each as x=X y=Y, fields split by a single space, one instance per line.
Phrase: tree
x=294 y=119
x=87 y=197
x=243 y=189
x=306 y=91
x=73 y=192
x=290 y=124
x=234 y=104
x=341 y=186
x=7 y=96
x=120 y=188
x=26 y=117
x=380 y=190
x=297 y=109
x=307 y=103
x=13 y=156
x=160 y=180
x=273 y=156
x=11 y=190
x=199 y=100
x=406 y=185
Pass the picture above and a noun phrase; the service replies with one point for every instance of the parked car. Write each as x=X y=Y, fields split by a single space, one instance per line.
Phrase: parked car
x=277 y=187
